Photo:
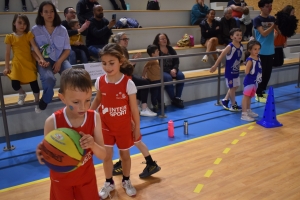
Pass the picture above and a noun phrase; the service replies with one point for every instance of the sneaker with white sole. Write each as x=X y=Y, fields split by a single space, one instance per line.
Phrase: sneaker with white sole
x=260 y=99
x=37 y=109
x=205 y=58
x=140 y=108
x=251 y=113
x=247 y=118
x=106 y=189
x=22 y=99
x=129 y=189
x=147 y=113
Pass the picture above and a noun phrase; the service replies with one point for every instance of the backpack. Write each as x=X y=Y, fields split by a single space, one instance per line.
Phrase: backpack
x=153 y=5
x=186 y=41
x=132 y=23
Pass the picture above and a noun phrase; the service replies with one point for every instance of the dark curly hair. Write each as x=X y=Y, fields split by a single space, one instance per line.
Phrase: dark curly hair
x=287 y=23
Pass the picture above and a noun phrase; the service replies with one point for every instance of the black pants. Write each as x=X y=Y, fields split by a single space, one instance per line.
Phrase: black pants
x=16 y=85
x=266 y=64
x=198 y=21
x=78 y=49
x=248 y=32
x=155 y=94
x=142 y=94
x=116 y=7
x=278 y=57
x=7 y=2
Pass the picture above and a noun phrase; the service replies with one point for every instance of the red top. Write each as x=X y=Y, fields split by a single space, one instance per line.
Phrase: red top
x=279 y=40
x=236 y=14
x=83 y=173
x=114 y=108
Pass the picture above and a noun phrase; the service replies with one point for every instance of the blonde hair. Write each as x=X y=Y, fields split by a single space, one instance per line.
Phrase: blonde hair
x=116 y=50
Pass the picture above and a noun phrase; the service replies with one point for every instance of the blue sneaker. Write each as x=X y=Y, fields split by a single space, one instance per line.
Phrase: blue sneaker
x=225 y=103
x=238 y=107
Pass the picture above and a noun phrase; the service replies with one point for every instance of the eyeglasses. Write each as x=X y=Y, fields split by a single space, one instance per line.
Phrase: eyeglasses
x=125 y=39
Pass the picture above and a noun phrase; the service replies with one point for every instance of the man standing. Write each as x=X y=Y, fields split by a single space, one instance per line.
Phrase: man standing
x=84 y=9
x=264 y=25
x=226 y=24
x=70 y=14
x=99 y=31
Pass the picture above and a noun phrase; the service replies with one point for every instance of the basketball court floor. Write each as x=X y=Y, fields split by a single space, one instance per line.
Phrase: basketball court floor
x=221 y=158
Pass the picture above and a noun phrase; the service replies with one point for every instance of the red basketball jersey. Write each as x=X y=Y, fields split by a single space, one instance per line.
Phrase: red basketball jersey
x=114 y=108
x=86 y=171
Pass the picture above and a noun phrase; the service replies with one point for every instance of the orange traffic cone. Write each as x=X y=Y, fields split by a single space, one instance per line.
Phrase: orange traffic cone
x=269 y=120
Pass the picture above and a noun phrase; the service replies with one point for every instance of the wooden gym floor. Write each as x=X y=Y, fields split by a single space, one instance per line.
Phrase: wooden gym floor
x=247 y=162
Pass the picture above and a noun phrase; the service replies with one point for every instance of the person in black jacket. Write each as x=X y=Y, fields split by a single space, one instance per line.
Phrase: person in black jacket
x=226 y=24
x=210 y=31
x=70 y=14
x=115 y=5
x=171 y=69
x=99 y=31
x=84 y=9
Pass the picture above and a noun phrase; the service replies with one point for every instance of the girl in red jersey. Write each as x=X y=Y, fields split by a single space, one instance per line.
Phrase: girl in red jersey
x=76 y=93
x=116 y=99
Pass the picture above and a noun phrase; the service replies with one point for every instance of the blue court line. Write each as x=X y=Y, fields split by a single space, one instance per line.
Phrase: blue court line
x=20 y=166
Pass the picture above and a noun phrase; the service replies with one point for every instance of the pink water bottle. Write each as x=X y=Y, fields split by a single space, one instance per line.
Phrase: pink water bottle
x=171 y=129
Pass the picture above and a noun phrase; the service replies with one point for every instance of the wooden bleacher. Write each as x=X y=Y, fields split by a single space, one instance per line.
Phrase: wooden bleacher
x=13 y=99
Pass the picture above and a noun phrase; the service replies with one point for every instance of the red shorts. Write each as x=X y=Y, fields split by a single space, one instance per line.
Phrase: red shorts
x=123 y=142
x=86 y=191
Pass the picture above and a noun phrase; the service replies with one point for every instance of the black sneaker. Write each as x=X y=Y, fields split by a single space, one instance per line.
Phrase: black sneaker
x=149 y=170
x=177 y=102
x=24 y=9
x=155 y=108
x=6 y=8
x=42 y=104
x=117 y=168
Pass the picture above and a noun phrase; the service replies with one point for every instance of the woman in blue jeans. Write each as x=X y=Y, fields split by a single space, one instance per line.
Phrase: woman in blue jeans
x=54 y=43
x=171 y=69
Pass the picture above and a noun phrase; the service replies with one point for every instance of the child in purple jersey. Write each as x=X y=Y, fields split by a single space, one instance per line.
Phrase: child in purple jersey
x=253 y=77
x=233 y=53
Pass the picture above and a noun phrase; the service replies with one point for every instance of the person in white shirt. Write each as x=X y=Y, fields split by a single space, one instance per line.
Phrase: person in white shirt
x=247 y=21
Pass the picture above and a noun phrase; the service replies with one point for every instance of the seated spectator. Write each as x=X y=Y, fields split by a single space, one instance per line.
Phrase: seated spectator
x=246 y=20
x=84 y=9
x=70 y=14
x=115 y=5
x=237 y=9
x=53 y=40
x=77 y=45
x=226 y=24
x=6 y=6
x=210 y=31
x=198 y=12
x=99 y=31
x=171 y=69
x=142 y=94
x=152 y=72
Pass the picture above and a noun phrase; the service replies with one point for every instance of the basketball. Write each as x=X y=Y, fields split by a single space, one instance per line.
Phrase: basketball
x=61 y=150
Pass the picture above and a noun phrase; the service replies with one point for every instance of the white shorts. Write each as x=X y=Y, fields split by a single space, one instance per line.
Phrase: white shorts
x=233 y=82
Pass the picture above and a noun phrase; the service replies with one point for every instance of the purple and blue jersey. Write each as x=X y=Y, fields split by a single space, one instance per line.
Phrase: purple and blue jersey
x=233 y=60
x=255 y=74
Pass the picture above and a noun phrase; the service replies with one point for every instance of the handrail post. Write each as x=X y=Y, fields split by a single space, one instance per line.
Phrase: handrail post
x=298 y=83
x=8 y=147
x=219 y=84
x=162 y=89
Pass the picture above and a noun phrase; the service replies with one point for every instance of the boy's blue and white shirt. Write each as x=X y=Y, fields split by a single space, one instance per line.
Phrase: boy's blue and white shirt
x=233 y=61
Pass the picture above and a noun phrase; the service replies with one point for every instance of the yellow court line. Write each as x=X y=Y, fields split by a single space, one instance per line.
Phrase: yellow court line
x=235 y=141
x=155 y=150
x=243 y=134
x=208 y=173
x=217 y=161
x=226 y=150
x=198 y=188
x=251 y=127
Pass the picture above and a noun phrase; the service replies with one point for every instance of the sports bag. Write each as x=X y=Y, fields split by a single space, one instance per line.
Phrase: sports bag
x=153 y=5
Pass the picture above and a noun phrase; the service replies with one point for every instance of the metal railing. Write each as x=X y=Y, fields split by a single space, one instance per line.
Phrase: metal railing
x=10 y=147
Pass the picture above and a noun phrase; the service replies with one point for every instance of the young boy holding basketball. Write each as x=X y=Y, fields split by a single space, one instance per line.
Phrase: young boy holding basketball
x=76 y=94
